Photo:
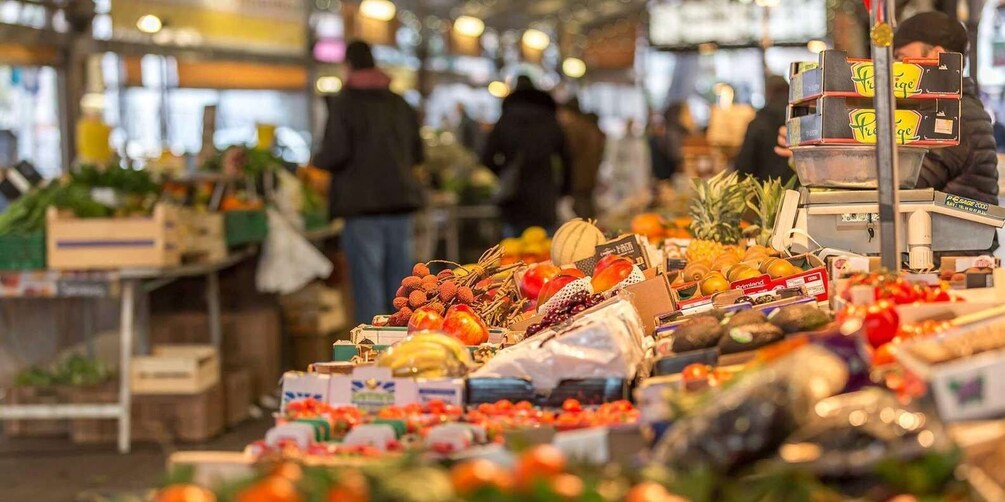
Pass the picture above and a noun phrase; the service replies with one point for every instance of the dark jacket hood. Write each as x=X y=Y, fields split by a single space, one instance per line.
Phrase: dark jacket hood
x=529 y=99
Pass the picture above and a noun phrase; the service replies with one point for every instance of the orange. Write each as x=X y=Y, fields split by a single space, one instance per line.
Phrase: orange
x=650 y=225
x=184 y=493
x=469 y=477
x=270 y=489
x=542 y=461
x=351 y=487
x=567 y=486
x=650 y=491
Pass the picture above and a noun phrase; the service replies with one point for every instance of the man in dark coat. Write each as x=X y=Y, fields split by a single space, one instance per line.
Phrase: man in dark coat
x=526 y=149
x=969 y=169
x=757 y=155
x=371 y=144
x=585 y=142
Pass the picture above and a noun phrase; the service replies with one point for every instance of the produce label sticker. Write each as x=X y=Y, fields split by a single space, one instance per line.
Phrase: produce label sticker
x=863 y=125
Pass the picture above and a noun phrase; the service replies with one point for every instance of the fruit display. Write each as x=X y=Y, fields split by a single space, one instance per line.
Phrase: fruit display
x=535 y=278
x=428 y=354
x=717 y=208
x=488 y=288
x=609 y=272
x=533 y=246
x=745 y=330
x=575 y=240
x=764 y=202
x=714 y=267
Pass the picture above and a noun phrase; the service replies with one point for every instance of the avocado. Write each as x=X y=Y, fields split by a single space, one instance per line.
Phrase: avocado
x=698 y=333
x=744 y=318
x=749 y=337
x=797 y=318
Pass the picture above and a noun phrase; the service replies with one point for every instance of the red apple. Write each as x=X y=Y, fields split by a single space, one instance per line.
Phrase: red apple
x=575 y=272
x=605 y=262
x=612 y=275
x=553 y=286
x=535 y=278
x=465 y=325
x=425 y=318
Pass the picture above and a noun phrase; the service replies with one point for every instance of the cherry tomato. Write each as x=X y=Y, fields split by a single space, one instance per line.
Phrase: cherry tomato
x=882 y=355
x=696 y=371
x=572 y=406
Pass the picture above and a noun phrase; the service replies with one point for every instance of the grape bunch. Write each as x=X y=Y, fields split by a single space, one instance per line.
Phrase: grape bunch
x=564 y=311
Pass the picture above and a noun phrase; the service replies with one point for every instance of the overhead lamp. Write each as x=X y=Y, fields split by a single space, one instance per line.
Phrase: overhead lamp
x=536 y=39
x=574 y=67
x=816 y=46
x=328 y=84
x=149 y=24
x=469 y=26
x=498 y=89
x=381 y=10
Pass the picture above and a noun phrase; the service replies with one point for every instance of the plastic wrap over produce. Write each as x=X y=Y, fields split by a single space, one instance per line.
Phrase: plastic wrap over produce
x=604 y=343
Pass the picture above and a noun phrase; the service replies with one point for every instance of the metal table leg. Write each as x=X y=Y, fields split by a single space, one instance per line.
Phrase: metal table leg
x=213 y=307
x=126 y=326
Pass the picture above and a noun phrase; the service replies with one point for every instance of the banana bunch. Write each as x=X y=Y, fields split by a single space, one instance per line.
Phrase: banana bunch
x=427 y=354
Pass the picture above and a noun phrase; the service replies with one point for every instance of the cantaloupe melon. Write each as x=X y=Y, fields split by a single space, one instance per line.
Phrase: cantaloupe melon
x=575 y=240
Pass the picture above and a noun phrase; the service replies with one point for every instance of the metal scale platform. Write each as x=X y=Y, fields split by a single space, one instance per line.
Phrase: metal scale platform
x=848 y=220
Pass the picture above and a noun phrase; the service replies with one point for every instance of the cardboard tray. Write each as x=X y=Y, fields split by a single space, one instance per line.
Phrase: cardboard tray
x=833 y=120
x=835 y=74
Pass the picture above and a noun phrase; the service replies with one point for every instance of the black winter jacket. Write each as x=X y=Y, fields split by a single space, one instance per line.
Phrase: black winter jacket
x=757 y=156
x=528 y=135
x=371 y=144
x=969 y=169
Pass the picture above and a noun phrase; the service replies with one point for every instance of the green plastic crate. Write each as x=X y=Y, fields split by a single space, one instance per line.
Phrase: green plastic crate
x=315 y=221
x=245 y=227
x=22 y=252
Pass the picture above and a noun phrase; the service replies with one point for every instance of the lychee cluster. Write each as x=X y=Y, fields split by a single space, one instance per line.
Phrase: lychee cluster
x=423 y=289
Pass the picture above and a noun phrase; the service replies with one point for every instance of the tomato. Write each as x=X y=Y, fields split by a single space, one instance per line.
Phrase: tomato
x=903 y=293
x=270 y=489
x=184 y=493
x=938 y=296
x=525 y=405
x=567 y=486
x=465 y=325
x=572 y=406
x=469 y=477
x=540 y=462
x=880 y=323
x=650 y=491
x=351 y=487
x=424 y=319
x=882 y=355
x=696 y=371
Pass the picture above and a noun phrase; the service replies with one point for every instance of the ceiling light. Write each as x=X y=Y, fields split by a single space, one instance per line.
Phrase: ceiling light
x=469 y=26
x=536 y=39
x=328 y=84
x=381 y=10
x=816 y=46
x=574 y=67
x=498 y=89
x=149 y=24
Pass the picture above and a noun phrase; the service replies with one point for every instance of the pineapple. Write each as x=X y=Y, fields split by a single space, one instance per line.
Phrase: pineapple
x=716 y=209
x=766 y=197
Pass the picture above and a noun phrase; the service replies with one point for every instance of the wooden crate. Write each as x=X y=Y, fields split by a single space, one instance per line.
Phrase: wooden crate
x=176 y=369
x=190 y=418
x=95 y=430
x=238 y=394
x=201 y=236
x=35 y=428
x=110 y=243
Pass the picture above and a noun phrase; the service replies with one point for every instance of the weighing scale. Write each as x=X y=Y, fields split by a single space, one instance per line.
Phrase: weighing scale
x=848 y=221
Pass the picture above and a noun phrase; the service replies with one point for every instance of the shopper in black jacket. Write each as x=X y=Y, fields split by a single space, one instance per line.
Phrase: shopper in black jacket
x=526 y=149
x=971 y=168
x=757 y=155
x=371 y=144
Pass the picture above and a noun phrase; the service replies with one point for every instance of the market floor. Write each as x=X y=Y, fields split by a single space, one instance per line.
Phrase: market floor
x=55 y=470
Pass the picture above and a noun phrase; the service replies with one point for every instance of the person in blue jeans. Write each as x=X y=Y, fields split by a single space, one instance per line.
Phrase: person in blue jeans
x=371 y=144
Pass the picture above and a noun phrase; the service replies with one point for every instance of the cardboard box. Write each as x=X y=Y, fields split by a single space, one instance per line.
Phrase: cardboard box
x=653 y=297
x=834 y=74
x=366 y=334
x=175 y=369
x=852 y=121
x=370 y=388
